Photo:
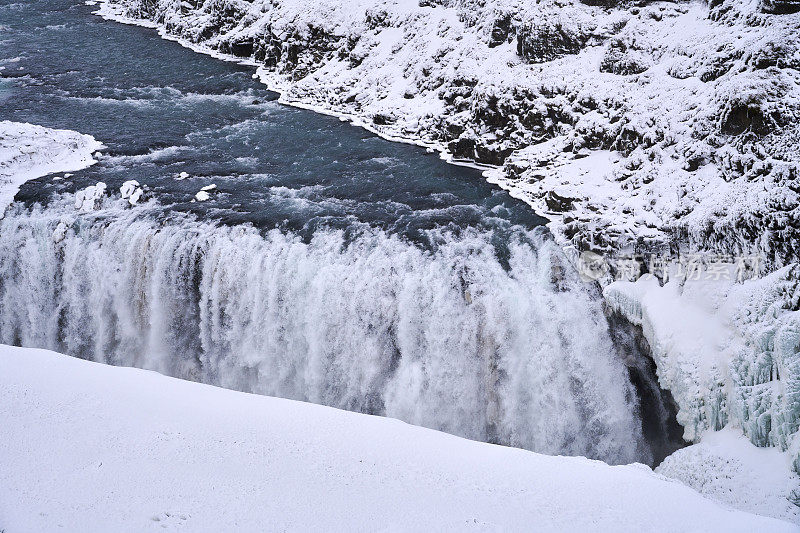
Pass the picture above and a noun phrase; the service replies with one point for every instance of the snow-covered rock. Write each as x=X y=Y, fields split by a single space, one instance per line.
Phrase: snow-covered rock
x=131 y=191
x=28 y=152
x=61 y=230
x=205 y=193
x=91 y=197
x=632 y=124
x=90 y=447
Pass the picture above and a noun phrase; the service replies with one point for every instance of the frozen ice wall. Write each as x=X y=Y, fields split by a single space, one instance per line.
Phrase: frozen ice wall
x=728 y=352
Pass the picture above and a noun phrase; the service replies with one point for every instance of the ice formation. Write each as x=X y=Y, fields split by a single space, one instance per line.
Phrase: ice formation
x=727 y=468
x=61 y=230
x=205 y=193
x=728 y=352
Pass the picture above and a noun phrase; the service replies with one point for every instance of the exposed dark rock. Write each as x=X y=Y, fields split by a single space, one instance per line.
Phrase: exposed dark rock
x=463 y=148
x=540 y=42
x=602 y=3
x=491 y=154
x=556 y=202
x=741 y=118
x=243 y=48
x=501 y=31
x=381 y=119
x=780 y=7
x=659 y=413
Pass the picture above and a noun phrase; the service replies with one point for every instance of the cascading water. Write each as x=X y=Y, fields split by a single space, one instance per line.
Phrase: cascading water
x=515 y=351
x=330 y=265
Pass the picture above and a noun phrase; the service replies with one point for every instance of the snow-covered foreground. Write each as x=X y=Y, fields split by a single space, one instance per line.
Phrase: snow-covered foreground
x=28 y=152
x=89 y=447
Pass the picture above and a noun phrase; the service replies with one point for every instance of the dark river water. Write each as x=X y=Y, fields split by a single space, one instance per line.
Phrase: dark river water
x=333 y=266
x=162 y=109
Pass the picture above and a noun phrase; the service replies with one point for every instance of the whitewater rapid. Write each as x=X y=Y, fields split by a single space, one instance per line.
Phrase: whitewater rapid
x=504 y=347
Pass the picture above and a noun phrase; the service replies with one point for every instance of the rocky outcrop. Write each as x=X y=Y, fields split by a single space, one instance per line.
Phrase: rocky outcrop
x=780 y=7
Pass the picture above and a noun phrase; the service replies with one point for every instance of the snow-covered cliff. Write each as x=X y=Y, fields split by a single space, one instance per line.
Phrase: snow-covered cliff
x=685 y=112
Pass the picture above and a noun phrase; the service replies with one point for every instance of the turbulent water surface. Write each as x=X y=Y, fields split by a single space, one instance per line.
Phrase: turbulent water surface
x=333 y=266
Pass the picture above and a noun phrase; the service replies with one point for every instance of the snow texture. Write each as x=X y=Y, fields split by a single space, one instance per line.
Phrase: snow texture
x=89 y=447
x=28 y=152
x=727 y=468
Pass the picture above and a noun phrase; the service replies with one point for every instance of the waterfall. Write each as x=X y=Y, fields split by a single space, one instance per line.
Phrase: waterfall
x=514 y=351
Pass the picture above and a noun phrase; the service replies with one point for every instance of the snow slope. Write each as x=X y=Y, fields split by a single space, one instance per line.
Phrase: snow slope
x=28 y=152
x=89 y=447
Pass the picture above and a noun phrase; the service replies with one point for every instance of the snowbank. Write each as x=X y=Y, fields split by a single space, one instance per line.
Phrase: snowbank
x=90 y=447
x=727 y=468
x=28 y=152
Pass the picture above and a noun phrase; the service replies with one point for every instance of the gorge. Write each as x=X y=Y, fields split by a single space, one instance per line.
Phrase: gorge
x=331 y=266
